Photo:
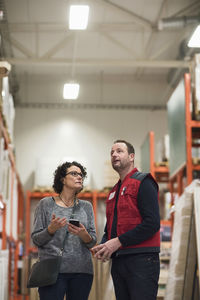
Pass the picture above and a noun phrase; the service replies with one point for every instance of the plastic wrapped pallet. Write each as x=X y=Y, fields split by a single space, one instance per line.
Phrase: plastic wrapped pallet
x=162 y=149
x=181 y=240
x=15 y=208
x=197 y=215
x=4 y=274
x=24 y=275
x=196 y=97
x=8 y=109
x=102 y=287
x=2 y=146
x=4 y=175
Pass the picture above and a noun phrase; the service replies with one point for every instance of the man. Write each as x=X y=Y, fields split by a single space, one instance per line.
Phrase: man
x=132 y=237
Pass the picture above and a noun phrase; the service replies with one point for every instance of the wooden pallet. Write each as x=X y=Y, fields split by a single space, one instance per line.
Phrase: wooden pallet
x=196 y=161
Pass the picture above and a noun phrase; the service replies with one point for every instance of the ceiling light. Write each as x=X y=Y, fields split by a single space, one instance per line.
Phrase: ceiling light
x=194 y=41
x=78 y=17
x=71 y=91
x=1 y=15
x=1 y=205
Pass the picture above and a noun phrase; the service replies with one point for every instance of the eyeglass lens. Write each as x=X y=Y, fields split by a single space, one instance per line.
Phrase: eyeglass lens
x=75 y=174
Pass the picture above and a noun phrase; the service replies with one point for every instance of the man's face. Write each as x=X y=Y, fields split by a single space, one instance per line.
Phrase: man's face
x=120 y=158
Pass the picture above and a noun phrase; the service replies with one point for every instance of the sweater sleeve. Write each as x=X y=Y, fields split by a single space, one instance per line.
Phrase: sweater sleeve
x=91 y=226
x=40 y=234
x=148 y=206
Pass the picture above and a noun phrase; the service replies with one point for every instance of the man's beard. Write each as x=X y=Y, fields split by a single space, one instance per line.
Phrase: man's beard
x=121 y=166
x=117 y=167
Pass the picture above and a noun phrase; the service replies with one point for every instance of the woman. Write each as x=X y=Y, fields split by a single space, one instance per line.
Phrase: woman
x=51 y=224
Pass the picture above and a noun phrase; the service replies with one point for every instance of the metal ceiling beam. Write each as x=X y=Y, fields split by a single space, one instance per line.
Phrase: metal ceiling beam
x=151 y=38
x=57 y=47
x=136 y=19
x=119 y=44
x=150 y=41
x=21 y=48
x=162 y=49
x=188 y=9
x=177 y=39
x=102 y=63
x=62 y=27
x=91 y=106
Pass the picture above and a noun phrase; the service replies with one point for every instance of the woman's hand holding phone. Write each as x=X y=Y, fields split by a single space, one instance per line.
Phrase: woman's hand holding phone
x=79 y=230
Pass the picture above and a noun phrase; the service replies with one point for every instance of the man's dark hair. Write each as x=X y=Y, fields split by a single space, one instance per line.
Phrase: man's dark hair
x=61 y=172
x=129 y=146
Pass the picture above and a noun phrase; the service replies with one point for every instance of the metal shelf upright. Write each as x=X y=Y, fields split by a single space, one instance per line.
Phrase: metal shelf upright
x=9 y=240
x=192 y=129
x=11 y=205
x=159 y=172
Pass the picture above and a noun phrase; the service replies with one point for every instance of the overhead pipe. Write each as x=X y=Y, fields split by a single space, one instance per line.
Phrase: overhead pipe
x=185 y=53
x=178 y=22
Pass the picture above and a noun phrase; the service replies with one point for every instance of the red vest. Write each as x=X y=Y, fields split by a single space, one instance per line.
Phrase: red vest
x=128 y=215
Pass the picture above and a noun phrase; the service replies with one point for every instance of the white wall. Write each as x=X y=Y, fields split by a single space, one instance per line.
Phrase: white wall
x=57 y=133
x=101 y=89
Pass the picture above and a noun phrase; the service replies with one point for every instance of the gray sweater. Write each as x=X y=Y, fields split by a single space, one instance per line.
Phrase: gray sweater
x=76 y=255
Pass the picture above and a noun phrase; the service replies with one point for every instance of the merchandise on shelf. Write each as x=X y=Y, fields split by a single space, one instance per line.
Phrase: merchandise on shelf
x=8 y=110
x=162 y=150
x=196 y=93
x=4 y=258
x=183 y=253
x=11 y=200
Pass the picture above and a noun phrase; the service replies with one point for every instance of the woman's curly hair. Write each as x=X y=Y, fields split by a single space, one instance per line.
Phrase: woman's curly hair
x=61 y=172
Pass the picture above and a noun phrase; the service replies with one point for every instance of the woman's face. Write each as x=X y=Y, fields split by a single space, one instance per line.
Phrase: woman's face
x=73 y=179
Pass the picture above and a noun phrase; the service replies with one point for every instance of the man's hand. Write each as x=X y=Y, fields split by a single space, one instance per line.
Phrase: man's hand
x=56 y=223
x=104 y=251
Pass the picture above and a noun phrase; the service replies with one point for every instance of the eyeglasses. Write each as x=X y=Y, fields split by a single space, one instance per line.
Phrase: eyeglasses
x=75 y=174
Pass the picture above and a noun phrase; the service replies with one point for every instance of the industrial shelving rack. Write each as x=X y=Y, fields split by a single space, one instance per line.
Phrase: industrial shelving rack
x=192 y=129
x=8 y=240
x=159 y=172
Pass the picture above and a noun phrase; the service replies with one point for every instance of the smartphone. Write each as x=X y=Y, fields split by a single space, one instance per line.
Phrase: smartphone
x=74 y=222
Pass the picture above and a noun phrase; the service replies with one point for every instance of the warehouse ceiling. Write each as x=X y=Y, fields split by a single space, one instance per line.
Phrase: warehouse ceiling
x=131 y=55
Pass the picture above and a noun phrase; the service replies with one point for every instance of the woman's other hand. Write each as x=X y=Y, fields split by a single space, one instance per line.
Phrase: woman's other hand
x=56 y=223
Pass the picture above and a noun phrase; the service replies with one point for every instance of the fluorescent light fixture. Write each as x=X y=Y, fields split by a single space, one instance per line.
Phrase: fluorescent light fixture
x=78 y=17
x=1 y=15
x=71 y=91
x=1 y=205
x=194 y=41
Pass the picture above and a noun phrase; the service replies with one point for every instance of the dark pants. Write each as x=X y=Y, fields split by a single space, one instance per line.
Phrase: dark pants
x=135 y=276
x=76 y=286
